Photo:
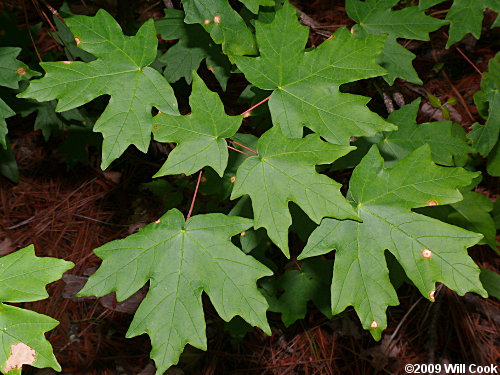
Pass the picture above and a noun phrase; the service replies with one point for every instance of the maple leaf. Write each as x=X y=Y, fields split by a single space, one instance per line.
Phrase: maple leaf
x=23 y=277
x=65 y=37
x=445 y=139
x=493 y=166
x=306 y=84
x=297 y=287
x=200 y=135
x=5 y=112
x=48 y=120
x=194 y=46
x=181 y=259
x=283 y=171
x=425 y=4
x=484 y=137
x=224 y=24
x=121 y=71
x=471 y=213
x=253 y=5
x=466 y=16
x=11 y=72
x=377 y=17
x=429 y=250
x=8 y=165
x=491 y=282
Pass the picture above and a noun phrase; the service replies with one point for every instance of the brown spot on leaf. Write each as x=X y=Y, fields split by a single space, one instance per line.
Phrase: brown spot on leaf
x=21 y=71
x=432 y=203
x=20 y=354
x=374 y=325
x=77 y=40
x=427 y=254
x=232 y=179
x=432 y=295
x=217 y=20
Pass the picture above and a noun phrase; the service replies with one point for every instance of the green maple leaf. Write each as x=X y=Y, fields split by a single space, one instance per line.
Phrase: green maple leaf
x=496 y=213
x=47 y=119
x=8 y=165
x=306 y=84
x=121 y=71
x=11 y=72
x=283 y=171
x=377 y=17
x=181 y=259
x=224 y=24
x=253 y=5
x=425 y=4
x=445 y=139
x=429 y=250
x=471 y=213
x=297 y=287
x=493 y=166
x=5 y=112
x=484 y=137
x=23 y=277
x=491 y=282
x=200 y=135
x=194 y=46
x=65 y=37
x=466 y=16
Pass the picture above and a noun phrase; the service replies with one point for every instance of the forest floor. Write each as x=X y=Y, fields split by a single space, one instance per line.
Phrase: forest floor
x=68 y=213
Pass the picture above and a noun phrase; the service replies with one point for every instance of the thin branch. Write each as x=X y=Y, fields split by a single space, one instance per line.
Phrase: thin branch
x=52 y=26
x=241 y=152
x=255 y=106
x=29 y=32
x=194 y=195
x=466 y=58
x=53 y=11
x=470 y=62
x=245 y=147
